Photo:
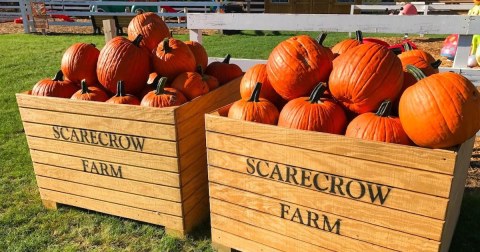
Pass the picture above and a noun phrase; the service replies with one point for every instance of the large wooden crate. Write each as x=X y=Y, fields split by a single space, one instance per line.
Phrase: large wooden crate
x=279 y=189
x=146 y=164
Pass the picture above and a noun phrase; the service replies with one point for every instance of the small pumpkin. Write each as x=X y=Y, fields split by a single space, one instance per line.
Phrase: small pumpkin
x=56 y=87
x=347 y=44
x=151 y=27
x=173 y=57
x=255 y=109
x=191 y=84
x=224 y=71
x=420 y=59
x=201 y=56
x=151 y=85
x=89 y=93
x=163 y=96
x=255 y=74
x=79 y=62
x=380 y=126
x=441 y=110
x=121 y=98
x=211 y=81
x=314 y=113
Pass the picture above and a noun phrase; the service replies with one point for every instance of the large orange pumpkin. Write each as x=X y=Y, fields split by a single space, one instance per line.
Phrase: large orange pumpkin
x=224 y=71
x=151 y=27
x=363 y=78
x=347 y=44
x=56 y=87
x=255 y=74
x=201 y=57
x=441 y=110
x=420 y=59
x=173 y=57
x=80 y=62
x=163 y=96
x=122 y=98
x=191 y=84
x=122 y=59
x=90 y=93
x=314 y=113
x=297 y=65
x=380 y=126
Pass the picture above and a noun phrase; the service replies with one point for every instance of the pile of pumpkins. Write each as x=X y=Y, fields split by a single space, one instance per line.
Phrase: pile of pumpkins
x=149 y=68
x=362 y=90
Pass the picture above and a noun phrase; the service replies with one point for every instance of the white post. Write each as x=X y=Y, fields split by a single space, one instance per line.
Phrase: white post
x=162 y=10
x=185 y=11
x=352 y=12
x=425 y=9
x=196 y=35
x=29 y=16
x=23 y=9
x=109 y=29
x=463 y=51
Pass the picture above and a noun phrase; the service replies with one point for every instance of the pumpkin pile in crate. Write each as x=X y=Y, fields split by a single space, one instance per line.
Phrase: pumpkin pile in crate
x=129 y=138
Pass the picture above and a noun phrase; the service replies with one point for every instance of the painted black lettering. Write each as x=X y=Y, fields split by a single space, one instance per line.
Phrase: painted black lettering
x=328 y=227
x=94 y=167
x=138 y=143
x=56 y=133
x=379 y=193
x=74 y=135
x=306 y=178
x=316 y=182
x=298 y=215
x=259 y=171
x=84 y=135
x=313 y=218
x=93 y=137
x=291 y=175
x=113 y=140
x=285 y=209
x=338 y=186
x=127 y=144
x=116 y=172
x=61 y=133
x=104 y=169
x=100 y=139
x=85 y=164
x=250 y=165
x=349 y=191
x=276 y=171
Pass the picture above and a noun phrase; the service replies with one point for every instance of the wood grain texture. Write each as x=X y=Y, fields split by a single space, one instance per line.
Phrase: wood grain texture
x=198 y=215
x=48 y=204
x=220 y=237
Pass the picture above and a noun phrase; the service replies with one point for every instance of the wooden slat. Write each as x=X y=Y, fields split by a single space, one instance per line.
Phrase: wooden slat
x=190 y=174
x=196 y=140
x=127 y=172
x=388 y=175
x=128 y=186
x=197 y=215
x=197 y=197
x=112 y=196
x=147 y=114
x=196 y=157
x=98 y=123
x=114 y=209
x=441 y=161
x=374 y=214
x=349 y=228
x=220 y=237
x=155 y=162
x=150 y=145
x=191 y=187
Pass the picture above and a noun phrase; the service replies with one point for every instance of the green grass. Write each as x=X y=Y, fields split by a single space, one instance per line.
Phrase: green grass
x=26 y=226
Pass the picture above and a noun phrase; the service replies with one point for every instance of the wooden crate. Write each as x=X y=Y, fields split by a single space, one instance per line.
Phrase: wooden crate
x=141 y=163
x=279 y=189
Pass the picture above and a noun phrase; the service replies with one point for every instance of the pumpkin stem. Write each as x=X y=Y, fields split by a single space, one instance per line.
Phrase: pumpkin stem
x=321 y=38
x=166 y=45
x=317 y=93
x=83 y=85
x=385 y=109
x=161 y=86
x=436 y=64
x=417 y=73
x=58 y=76
x=137 y=40
x=199 y=70
x=359 y=36
x=92 y=44
x=120 y=89
x=407 y=47
x=255 y=97
x=227 y=59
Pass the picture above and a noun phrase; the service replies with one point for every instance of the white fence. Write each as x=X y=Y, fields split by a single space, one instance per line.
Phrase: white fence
x=426 y=9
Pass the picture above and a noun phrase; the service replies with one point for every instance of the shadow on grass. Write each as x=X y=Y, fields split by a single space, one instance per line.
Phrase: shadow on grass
x=467 y=236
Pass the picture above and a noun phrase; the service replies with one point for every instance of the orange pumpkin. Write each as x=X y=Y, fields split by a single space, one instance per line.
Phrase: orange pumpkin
x=201 y=57
x=121 y=98
x=173 y=57
x=56 y=87
x=347 y=44
x=420 y=59
x=80 y=62
x=151 y=27
x=441 y=110
x=191 y=84
x=255 y=109
x=163 y=96
x=255 y=74
x=224 y=71
x=89 y=93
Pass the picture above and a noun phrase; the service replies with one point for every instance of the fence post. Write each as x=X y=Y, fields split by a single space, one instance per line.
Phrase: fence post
x=23 y=9
x=463 y=50
x=196 y=35
x=109 y=29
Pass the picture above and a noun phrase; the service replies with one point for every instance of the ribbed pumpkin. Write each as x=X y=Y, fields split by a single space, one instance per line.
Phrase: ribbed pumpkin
x=151 y=27
x=254 y=109
x=380 y=126
x=211 y=81
x=122 y=59
x=121 y=97
x=314 y=113
x=191 y=84
x=173 y=57
x=56 y=87
x=255 y=74
x=297 y=65
x=201 y=56
x=163 y=96
x=151 y=84
x=441 y=110
x=420 y=59
x=87 y=93
x=224 y=71
x=79 y=62
x=347 y=44
x=363 y=78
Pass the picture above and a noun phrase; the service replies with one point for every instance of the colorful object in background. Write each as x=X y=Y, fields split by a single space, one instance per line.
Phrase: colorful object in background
x=449 y=48
x=400 y=47
x=475 y=10
x=408 y=9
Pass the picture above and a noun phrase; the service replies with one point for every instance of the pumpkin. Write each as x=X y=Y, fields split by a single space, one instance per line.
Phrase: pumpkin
x=122 y=59
x=80 y=62
x=314 y=113
x=363 y=78
x=191 y=84
x=151 y=27
x=255 y=74
x=163 y=96
x=121 y=98
x=441 y=110
x=56 y=87
x=346 y=44
x=151 y=85
x=254 y=109
x=89 y=93
x=420 y=59
x=173 y=57
x=320 y=39
x=211 y=81
x=380 y=126
x=297 y=65
x=224 y=71
x=201 y=57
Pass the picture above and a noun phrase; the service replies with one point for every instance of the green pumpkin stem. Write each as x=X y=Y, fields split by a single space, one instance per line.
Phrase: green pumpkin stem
x=385 y=109
x=161 y=86
x=317 y=93
x=227 y=59
x=321 y=38
x=436 y=64
x=166 y=45
x=120 y=89
x=359 y=36
x=199 y=70
x=83 y=85
x=137 y=40
x=58 y=76
x=255 y=97
x=407 y=47
x=417 y=73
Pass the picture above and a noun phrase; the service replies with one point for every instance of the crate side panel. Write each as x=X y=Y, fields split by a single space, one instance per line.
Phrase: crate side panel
x=197 y=215
x=237 y=242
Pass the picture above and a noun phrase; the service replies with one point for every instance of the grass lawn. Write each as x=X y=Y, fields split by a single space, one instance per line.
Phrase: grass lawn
x=26 y=226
